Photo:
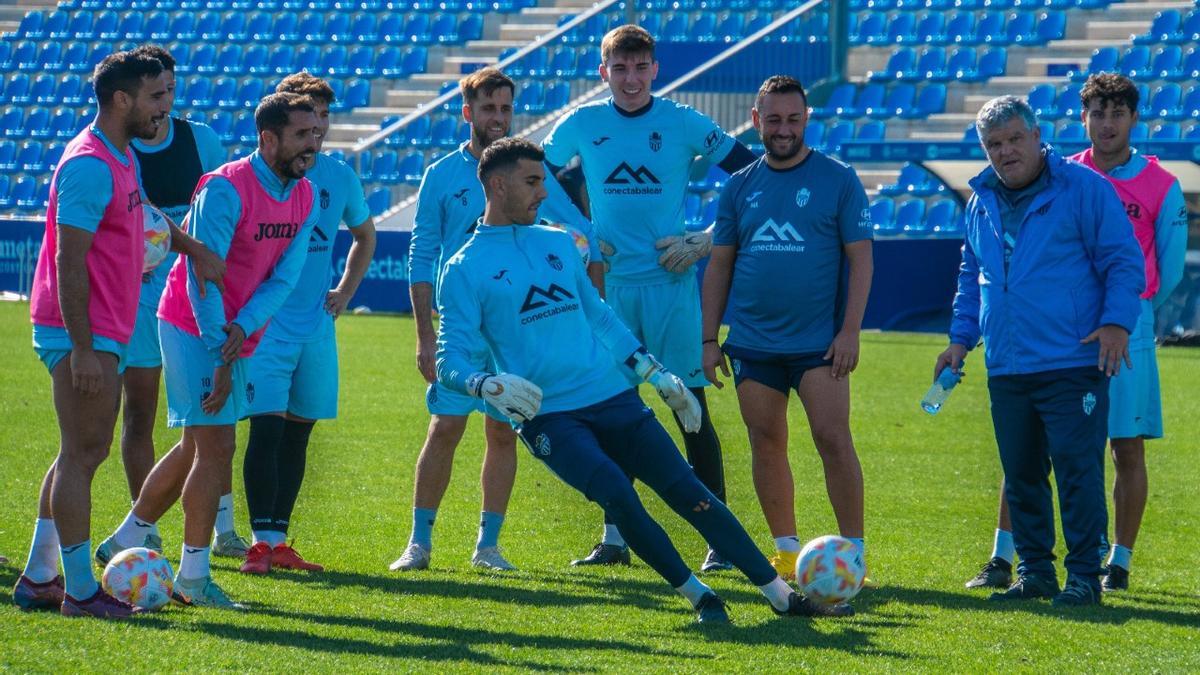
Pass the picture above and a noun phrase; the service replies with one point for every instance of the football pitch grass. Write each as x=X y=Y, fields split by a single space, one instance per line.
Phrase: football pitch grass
x=931 y=490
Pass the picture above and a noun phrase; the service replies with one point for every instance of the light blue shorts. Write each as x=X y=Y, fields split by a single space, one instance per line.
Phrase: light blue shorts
x=441 y=400
x=144 y=351
x=1135 y=404
x=666 y=318
x=53 y=344
x=188 y=372
x=300 y=378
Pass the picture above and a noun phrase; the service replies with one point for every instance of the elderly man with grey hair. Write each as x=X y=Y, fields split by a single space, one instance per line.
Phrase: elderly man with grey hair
x=1050 y=279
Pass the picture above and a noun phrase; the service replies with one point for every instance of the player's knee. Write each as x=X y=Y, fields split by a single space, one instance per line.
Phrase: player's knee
x=610 y=489
x=834 y=442
x=689 y=494
x=1128 y=454
x=447 y=429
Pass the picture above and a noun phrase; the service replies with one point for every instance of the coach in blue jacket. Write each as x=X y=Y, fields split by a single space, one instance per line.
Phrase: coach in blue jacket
x=1050 y=279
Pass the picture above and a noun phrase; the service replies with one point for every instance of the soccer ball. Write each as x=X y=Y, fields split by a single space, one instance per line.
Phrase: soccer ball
x=157 y=228
x=830 y=569
x=139 y=576
x=580 y=239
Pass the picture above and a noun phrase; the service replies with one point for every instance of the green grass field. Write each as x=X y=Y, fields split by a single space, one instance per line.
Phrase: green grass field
x=931 y=485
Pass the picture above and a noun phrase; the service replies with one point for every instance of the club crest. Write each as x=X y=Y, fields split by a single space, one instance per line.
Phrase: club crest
x=655 y=141
x=802 y=197
x=555 y=262
x=541 y=445
x=1089 y=403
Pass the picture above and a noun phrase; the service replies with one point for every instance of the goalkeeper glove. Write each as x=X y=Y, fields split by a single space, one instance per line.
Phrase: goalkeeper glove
x=669 y=387
x=683 y=252
x=515 y=397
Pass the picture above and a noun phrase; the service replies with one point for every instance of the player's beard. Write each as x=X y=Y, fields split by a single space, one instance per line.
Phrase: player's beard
x=287 y=168
x=485 y=136
x=145 y=129
x=793 y=150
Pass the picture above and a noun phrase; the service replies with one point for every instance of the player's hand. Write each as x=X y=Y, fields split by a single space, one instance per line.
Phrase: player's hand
x=86 y=373
x=222 y=386
x=336 y=301
x=515 y=397
x=713 y=359
x=683 y=252
x=208 y=267
x=427 y=359
x=606 y=252
x=234 y=337
x=951 y=358
x=1114 y=347
x=844 y=354
x=677 y=397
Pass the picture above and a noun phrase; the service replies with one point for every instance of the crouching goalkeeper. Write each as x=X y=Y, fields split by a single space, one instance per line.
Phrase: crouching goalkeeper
x=522 y=292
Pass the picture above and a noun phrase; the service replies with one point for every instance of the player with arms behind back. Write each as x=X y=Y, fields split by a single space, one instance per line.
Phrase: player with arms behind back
x=637 y=151
x=521 y=292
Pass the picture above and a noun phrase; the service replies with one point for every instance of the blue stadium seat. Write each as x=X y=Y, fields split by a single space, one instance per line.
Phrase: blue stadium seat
x=902 y=29
x=281 y=59
x=1191 y=103
x=1167 y=26
x=250 y=93
x=444 y=29
x=379 y=200
x=1043 y=99
x=870 y=101
x=1139 y=132
x=416 y=59
x=1168 y=63
x=42 y=89
x=24 y=193
x=222 y=124
x=930 y=101
x=875 y=130
x=970 y=134
x=900 y=101
x=756 y=23
x=365 y=28
x=224 y=94
x=910 y=217
x=1070 y=106
x=1047 y=130
x=1191 y=27
x=183 y=27
x=990 y=29
x=24 y=57
x=157 y=27
x=931 y=29
x=307 y=58
x=31 y=26
x=358 y=95
x=37 y=123
x=960 y=28
x=531 y=99
x=1071 y=131
x=883 y=211
x=814 y=134
x=260 y=26
x=208 y=26
x=203 y=59
x=838 y=134
x=233 y=28
x=6 y=200
x=52 y=156
x=1103 y=60
x=676 y=28
x=931 y=65
x=731 y=28
x=589 y=62
x=1193 y=134
x=229 y=59
x=842 y=97
x=1167 y=131
x=29 y=158
x=333 y=61
x=254 y=60
x=1167 y=102
x=8 y=156
x=1051 y=26
x=199 y=93
x=17 y=90
x=81 y=26
x=107 y=26
x=388 y=61
x=562 y=63
x=993 y=63
x=871 y=30
x=244 y=131
x=360 y=62
x=704 y=28
x=1135 y=63
x=1021 y=29
x=418 y=133
x=411 y=167
x=900 y=65
x=444 y=133
x=416 y=29
x=558 y=94
x=943 y=217
x=133 y=27
x=55 y=26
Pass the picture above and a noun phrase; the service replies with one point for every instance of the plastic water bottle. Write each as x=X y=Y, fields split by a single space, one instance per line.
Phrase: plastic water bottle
x=940 y=391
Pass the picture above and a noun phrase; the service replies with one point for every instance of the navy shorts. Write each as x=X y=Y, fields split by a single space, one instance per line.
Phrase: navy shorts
x=781 y=372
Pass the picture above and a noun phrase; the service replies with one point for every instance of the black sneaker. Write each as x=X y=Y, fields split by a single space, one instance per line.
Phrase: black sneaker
x=713 y=562
x=1029 y=587
x=1116 y=578
x=799 y=605
x=605 y=554
x=711 y=609
x=1077 y=593
x=997 y=573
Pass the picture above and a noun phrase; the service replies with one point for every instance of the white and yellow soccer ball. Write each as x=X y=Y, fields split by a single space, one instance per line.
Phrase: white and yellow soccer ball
x=580 y=239
x=139 y=576
x=157 y=229
x=830 y=570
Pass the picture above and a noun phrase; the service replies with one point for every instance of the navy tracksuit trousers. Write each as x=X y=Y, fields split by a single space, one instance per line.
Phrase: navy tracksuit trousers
x=1054 y=420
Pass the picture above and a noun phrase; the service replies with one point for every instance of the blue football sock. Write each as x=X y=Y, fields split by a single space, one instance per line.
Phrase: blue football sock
x=1120 y=556
x=489 y=529
x=422 y=532
x=77 y=570
x=1003 y=547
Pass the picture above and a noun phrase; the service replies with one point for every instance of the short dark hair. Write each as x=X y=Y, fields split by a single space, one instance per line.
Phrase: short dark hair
x=626 y=39
x=504 y=154
x=158 y=52
x=483 y=82
x=273 y=111
x=123 y=71
x=780 y=84
x=1110 y=88
x=307 y=84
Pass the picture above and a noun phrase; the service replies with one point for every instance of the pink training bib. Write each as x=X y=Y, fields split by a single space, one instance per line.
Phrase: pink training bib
x=114 y=262
x=266 y=228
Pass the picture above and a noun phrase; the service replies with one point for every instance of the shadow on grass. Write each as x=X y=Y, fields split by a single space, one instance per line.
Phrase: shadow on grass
x=1104 y=614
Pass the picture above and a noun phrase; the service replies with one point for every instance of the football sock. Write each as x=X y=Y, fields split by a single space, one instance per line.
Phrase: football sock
x=77 y=570
x=862 y=545
x=1003 y=546
x=693 y=589
x=259 y=469
x=422 y=531
x=489 y=529
x=787 y=544
x=778 y=593
x=612 y=536
x=42 y=565
x=704 y=448
x=713 y=520
x=271 y=538
x=133 y=531
x=1120 y=556
x=193 y=564
x=153 y=526
x=290 y=462
x=224 y=521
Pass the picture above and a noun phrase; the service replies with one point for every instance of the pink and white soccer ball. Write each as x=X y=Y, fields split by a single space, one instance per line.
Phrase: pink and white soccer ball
x=580 y=239
x=830 y=569
x=139 y=576
x=157 y=229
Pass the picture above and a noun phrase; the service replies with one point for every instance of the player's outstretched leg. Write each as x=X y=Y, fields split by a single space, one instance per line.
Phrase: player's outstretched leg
x=429 y=485
x=159 y=492
x=704 y=454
